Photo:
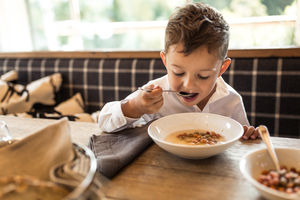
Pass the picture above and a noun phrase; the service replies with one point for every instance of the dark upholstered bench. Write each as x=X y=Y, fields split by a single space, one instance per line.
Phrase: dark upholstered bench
x=269 y=85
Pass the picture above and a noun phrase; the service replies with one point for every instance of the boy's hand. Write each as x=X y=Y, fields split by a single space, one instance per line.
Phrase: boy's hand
x=146 y=102
x=250 y=132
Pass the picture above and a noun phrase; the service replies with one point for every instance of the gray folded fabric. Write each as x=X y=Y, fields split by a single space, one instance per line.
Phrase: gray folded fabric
x=115 y=150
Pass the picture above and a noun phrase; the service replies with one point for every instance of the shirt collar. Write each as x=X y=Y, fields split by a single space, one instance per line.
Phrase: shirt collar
x=221 y=91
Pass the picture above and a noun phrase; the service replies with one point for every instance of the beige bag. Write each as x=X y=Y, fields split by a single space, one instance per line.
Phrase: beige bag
x=37 y=153
x=46 y=165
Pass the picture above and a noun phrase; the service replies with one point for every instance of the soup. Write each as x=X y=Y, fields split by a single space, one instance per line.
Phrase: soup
x=285 y=180
x=195 y=137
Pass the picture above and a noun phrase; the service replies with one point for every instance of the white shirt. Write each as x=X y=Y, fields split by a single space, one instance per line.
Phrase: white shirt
x=225 y=101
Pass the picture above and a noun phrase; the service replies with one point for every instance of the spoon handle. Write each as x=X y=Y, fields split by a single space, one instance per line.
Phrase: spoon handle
x=149 y=90
x=264 y=133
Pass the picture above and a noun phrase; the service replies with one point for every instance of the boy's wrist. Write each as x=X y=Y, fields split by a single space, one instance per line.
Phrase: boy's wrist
x=129 y=109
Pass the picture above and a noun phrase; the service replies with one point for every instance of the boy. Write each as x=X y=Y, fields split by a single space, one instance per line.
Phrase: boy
x=196 y=44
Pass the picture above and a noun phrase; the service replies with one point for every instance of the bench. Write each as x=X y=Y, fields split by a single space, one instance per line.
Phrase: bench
x=268 y=80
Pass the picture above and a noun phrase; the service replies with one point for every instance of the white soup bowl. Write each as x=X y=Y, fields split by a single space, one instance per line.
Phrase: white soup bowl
x=230 y=129
x=254 y=163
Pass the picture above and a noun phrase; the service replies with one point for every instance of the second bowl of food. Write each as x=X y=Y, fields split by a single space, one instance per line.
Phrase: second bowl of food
x=195 y=135
x=258 y=168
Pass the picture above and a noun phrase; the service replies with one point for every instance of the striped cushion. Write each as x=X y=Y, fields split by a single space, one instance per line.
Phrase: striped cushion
x=268 y=85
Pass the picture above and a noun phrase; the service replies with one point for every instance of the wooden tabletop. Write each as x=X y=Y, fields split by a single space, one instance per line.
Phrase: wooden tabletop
x=157 y=174
x=22 y=127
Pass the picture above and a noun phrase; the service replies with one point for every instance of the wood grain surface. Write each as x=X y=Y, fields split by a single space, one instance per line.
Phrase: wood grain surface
x=157 y=174
x=22 y=127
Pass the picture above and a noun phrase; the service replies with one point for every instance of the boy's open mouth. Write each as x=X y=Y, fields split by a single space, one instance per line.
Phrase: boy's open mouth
x=187 y=95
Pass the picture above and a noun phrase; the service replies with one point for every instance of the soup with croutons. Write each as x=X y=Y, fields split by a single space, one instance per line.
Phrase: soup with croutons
x=285 y=180
x=195 y=137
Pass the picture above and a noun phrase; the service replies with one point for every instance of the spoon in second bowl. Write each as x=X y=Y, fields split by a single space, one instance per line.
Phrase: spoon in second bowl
x=264 y=133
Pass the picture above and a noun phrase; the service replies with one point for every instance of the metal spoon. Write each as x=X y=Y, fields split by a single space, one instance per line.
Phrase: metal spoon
x=179 y=93
x=150 y=90
x=265 y=135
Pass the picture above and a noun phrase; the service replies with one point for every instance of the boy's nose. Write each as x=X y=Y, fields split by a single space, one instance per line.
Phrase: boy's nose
x=189 y=83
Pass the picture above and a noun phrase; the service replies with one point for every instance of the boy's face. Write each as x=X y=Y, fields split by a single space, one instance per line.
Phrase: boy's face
x=195 y=74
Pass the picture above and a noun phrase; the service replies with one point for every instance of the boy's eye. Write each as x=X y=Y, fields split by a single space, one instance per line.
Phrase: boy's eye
x=178 y=74
x=203 y=77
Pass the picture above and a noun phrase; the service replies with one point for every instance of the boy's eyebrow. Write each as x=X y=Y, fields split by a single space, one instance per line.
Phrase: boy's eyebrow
x=203 y=70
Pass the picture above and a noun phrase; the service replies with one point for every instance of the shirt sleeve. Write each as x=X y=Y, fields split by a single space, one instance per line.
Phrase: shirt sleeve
x=239 y=114
x=111 y=118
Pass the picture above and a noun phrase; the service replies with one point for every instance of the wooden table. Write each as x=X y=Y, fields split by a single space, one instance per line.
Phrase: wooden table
x=157 y=174
x=22 y=127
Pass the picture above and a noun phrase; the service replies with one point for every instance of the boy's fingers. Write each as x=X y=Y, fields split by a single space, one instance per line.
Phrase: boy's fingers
x=152 y=106
x=159 y=103
x=156 y=86
x=156 y=91
x=150 y=100
x=154 y=94
x=155 y=100
x=159 y=99
x=149 y=87
x=245 y=137
x=254 y=134
x=248 y=132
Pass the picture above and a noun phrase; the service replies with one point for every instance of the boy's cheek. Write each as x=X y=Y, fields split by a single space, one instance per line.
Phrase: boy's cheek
x=175 y=85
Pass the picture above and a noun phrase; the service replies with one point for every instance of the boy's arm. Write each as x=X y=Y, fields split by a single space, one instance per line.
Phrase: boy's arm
x=145 y=102
x=118 y=115
x=239 y=114
x=129 y=109
x=111 y=118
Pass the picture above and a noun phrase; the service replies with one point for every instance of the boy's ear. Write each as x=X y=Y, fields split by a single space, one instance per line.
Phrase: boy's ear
x=163 y=57
x=224 y=66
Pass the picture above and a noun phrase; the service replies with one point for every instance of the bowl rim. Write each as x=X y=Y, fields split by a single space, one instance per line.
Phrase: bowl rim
x=227 y=142
x=256 y=184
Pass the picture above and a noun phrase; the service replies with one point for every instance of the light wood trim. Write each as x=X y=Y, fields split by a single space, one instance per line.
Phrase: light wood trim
x=233 y=53
x=82 y=54
x=264 y=53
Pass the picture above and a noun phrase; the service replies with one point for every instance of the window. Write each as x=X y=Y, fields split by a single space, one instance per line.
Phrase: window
x=77 y=25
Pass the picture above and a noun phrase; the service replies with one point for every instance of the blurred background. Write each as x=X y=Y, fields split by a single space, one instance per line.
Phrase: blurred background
x=122 y=25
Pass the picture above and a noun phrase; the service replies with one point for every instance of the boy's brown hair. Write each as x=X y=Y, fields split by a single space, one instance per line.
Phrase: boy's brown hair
x=195 y=25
